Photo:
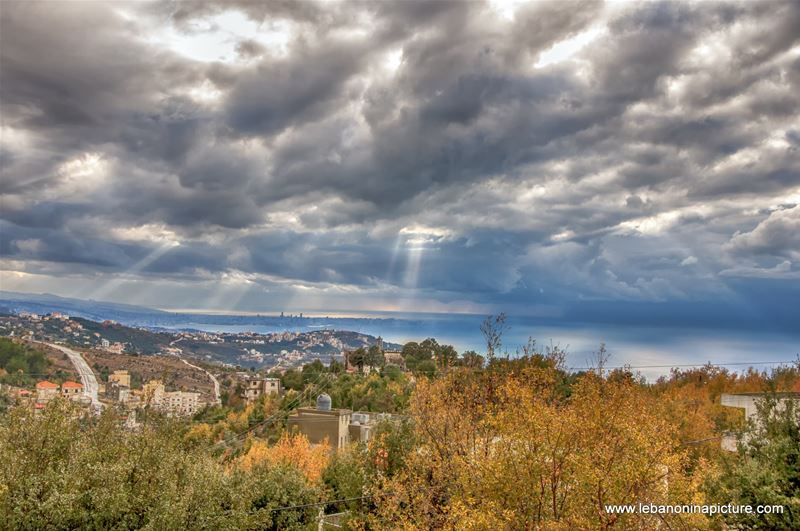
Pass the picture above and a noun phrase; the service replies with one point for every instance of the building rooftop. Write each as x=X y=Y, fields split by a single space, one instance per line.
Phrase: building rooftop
x=46 y=385
x=71 y=385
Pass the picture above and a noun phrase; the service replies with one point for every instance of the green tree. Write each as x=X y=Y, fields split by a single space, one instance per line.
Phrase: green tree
x=426 y=367
x=471 y=359
x=292 y=379
x=446 y=356
x=74 y=472
x=374 y=357
x=23 y=364
x=357 y=358
x=765 y=470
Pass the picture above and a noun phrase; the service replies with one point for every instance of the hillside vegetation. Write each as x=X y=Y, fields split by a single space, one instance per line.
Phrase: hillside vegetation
x=514 y=444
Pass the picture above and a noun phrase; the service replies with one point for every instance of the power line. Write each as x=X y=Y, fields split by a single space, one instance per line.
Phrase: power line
x=326 y=502
x=285 y=409
x=719 y=364
x=699 y=441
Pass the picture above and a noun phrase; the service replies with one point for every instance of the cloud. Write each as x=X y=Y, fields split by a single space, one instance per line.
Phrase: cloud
x=651 y=156
x=781 y=271
x=777 y=235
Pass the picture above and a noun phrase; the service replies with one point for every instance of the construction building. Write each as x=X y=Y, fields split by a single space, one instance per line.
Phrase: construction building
x=120 y=377
x=256 y=387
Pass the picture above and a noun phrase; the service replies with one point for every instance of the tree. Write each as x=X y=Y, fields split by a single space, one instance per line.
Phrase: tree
x=765 y=470
x=493 y=328
x=446 y=356
x=504 y=448
x=374 y=357
x=426 y=367
x=471 y=359
x=292 y=379
x=357 y=358
x=335 y=367
x=415 y=353
x=23 y=364
x=76 y=472
x=292 y=450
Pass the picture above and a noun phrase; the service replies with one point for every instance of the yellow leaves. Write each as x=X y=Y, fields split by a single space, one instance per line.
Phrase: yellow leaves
x=512 y=450
x=238 y=421
x=199 y=433
x=289 y=450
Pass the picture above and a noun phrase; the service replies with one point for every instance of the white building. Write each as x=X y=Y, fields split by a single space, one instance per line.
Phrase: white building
x=749 y=403
x=173 y=403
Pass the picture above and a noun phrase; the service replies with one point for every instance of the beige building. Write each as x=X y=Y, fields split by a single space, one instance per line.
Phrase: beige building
x=117 y=392
x=120 y=377
x=256 y=387
x=46 y=391
x=173 y=403
x=72 y=390
x=361 y=427
x=749 y=403
x=323 y=423
x=179 y=403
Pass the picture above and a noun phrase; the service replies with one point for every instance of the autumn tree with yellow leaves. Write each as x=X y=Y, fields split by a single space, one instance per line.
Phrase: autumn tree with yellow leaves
x=290 y=450
x=507 y=448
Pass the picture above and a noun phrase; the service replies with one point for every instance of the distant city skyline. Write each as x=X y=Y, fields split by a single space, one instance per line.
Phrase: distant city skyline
x=636 y=162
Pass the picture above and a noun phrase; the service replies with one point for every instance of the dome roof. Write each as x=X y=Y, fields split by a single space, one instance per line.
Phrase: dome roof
x=324 y=402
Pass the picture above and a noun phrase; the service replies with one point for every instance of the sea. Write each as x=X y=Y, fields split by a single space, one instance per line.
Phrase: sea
x=651 y=351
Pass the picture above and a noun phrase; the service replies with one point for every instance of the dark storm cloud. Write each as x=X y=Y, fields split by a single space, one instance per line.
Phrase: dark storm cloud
x=440 y=148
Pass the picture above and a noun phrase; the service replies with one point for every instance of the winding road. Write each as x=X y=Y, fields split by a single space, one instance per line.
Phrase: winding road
x=213 y=378
x=90 y=386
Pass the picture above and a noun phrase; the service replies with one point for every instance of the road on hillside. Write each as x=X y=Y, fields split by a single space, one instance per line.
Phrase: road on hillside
x=88 y=379
x=213 y=378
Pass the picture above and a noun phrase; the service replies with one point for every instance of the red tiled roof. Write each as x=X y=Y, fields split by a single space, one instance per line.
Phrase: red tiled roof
x=71 y=385
x=46 y=385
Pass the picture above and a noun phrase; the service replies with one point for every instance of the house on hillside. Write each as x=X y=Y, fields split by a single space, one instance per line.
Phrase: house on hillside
x=121 y=377
x=72 y=390
x=322 y=423
x=340 y=427
x=46 y=391
x=255 y=387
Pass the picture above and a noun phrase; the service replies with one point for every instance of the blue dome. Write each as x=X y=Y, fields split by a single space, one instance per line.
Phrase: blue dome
x=324 y=402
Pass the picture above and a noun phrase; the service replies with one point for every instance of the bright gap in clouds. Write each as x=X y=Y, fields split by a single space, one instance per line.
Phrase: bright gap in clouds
x=217 y=38
x=565 y=49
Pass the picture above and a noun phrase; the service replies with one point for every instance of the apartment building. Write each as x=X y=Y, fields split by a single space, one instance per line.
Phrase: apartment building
x=173 y=403
x=117 y=392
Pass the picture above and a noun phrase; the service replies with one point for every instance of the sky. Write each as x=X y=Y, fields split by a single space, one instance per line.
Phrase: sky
x=630 y=162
